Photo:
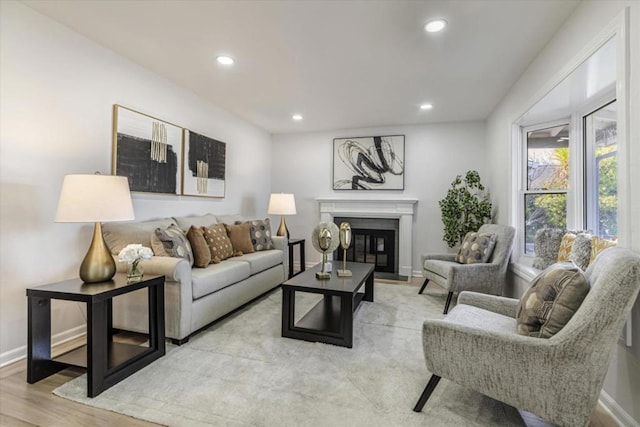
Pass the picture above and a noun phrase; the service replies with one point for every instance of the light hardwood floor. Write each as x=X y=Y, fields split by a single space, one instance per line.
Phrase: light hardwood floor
x=23 y=404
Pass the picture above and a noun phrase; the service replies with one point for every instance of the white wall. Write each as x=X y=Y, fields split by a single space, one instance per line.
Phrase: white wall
x=56 y=98
x=434 y=155
x=590 y=18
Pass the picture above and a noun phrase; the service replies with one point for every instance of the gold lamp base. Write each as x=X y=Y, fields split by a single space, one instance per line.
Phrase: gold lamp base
x=98 y=265
x=282 y=229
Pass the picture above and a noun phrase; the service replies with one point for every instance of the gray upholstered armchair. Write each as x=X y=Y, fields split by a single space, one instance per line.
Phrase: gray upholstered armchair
x=559 y=378
x=487 y=278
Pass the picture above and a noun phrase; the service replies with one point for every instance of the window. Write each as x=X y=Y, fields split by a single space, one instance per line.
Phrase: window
x=547 y=180
x=601 y=170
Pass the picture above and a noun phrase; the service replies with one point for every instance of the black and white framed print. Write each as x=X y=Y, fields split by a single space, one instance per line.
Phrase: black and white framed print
x=368 y=163
x=146 y=150
x=204 y=167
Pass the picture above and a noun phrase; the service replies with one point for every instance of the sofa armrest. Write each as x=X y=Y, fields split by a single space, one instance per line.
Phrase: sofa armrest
x=496 y=304
x=174 y=269
x=282 y=243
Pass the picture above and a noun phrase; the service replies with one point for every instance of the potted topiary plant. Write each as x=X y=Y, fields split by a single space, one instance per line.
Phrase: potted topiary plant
x=465 y=208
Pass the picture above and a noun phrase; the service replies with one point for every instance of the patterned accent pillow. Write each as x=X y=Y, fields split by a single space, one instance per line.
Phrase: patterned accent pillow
x=260 y=234
x=476 y=248
x=551 y=301
x=174 y=243
x=547 y=247
x=581 y=250
x=240 y=238
x=218 y=242
x=598 y=244
x=201 y=252
x=565 y=247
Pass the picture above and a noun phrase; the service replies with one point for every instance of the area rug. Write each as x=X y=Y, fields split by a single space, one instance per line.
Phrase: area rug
x=241 y=372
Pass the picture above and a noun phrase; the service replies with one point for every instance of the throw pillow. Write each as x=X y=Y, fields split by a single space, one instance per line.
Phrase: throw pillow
x=546 y=247
x=174 y=243
x=260 y=234
x=565 y=247
x=581 y=250
x=598 y=244
x=240 y=238
x=218 y=242
x=476 y=248
x=551 y=301
x=201 y=252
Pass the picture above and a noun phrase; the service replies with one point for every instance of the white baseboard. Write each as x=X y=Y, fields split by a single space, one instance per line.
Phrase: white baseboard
x=618 y=414
x=17 y=354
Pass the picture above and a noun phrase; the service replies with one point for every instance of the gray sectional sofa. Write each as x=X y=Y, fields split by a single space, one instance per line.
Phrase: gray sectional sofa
x=194 y=297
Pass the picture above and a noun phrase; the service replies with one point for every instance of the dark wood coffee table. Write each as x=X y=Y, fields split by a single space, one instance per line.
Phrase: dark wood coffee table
x=331 y=320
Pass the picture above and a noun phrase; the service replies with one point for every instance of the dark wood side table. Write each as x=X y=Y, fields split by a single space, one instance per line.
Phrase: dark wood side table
x=107 y=362
x=292 y=244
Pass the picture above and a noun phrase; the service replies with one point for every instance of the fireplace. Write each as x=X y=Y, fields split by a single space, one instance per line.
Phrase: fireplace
x=400 y=210
x=374 y=241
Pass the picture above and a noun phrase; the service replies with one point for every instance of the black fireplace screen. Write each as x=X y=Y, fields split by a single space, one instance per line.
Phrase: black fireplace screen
x=373 y=247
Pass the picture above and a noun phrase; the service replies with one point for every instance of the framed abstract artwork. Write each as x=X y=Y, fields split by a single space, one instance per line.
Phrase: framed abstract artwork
x=146 y=150
x=368 y=163
x=204 y=169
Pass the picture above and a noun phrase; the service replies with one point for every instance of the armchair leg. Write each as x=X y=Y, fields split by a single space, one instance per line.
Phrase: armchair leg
x=431 y=385
x=446 y=305
x=424 y=285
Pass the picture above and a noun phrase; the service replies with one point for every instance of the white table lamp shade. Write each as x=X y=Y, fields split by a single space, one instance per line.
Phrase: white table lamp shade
x=94 y=198
x=282 y=204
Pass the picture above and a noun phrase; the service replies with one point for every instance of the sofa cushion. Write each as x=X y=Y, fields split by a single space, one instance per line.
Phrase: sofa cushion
x=263 y=260
x=260 y=234
x=185 y=222
x=218 y=242
x=551 y=300
x=229 y=219
x=476 y=248
x=217 y=276
x=171 y=241
x=201 y=252
x=240 y=237
x=118 y=235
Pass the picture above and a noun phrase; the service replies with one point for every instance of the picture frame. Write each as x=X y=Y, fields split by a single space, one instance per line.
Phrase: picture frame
x=204 y=166
x=147 y=150
x=368 y=163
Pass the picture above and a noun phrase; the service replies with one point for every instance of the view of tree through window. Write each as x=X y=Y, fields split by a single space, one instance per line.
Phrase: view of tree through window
x=547 y=181
x=602 y=171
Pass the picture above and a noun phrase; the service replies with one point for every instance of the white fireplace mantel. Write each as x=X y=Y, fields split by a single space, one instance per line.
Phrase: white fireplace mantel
x=401 y=208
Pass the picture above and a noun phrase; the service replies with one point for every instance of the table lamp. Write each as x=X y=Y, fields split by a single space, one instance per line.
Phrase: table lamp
x=95 y=198
x=282 y=204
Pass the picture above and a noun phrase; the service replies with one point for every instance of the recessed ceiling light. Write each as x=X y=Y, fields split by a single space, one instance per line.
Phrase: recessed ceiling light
x=297 y=117
x=435 y=25
x=426 y=106
x=225 y=60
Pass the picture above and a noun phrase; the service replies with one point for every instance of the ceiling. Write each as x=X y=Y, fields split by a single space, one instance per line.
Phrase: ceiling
x=340 y=64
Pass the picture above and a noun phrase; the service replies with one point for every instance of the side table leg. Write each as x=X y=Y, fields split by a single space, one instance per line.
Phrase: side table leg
x=156 y=318
x=97 y=346
x=39 y=363
x=302 y=260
